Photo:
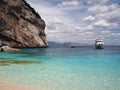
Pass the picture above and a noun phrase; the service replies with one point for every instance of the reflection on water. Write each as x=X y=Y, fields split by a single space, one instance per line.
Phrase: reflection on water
x=30 y=52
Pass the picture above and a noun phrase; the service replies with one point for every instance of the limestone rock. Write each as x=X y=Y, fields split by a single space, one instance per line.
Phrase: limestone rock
x=8 y=49
x=21 y=25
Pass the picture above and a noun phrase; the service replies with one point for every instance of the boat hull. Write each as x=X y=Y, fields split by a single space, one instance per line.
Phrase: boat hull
x=99 y=47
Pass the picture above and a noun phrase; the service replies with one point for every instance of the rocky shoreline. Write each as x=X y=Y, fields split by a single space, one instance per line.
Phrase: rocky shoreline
x=8 y=49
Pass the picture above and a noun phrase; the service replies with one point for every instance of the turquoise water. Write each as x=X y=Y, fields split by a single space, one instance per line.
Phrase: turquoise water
x=83 y=68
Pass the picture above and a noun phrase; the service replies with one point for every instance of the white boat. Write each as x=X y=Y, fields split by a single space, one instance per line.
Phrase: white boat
x=99 y=44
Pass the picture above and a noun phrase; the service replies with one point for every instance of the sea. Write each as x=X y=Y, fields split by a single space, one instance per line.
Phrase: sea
x=82 y=68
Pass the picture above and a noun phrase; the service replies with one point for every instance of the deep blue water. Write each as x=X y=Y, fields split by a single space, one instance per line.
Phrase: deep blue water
x=83 y=68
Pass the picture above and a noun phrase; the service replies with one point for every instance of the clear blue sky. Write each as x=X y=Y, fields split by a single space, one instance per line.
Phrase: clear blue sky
x=80 y=21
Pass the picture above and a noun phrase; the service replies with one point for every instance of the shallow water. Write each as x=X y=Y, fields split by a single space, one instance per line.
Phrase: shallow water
x=83 y=68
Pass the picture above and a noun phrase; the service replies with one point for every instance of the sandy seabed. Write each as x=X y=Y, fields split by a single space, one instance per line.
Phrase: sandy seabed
x=11 y=86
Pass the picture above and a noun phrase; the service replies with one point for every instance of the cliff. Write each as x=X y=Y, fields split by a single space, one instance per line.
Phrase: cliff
x=21 y=25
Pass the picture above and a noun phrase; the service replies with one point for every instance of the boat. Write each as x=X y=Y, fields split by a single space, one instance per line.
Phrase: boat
x=72 y=46
x=99 y=44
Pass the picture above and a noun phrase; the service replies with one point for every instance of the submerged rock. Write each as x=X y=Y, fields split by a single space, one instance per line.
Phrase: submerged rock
x=8 y=49
x=7 y=62
x=21 y=25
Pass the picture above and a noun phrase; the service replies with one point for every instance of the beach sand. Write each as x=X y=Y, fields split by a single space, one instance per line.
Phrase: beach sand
x=11 y=86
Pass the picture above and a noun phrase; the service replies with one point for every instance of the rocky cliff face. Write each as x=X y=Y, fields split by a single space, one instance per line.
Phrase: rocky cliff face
x=20 y=25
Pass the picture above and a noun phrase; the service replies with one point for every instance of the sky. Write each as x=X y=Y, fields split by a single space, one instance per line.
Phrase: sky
x=80 y=21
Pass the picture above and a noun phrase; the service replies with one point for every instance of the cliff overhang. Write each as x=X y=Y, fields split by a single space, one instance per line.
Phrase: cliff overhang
x=21 y=25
